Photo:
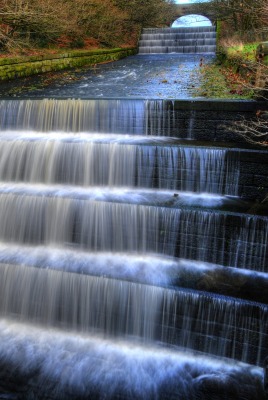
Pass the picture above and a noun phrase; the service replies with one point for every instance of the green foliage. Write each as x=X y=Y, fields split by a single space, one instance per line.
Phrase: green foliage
x=245 y=51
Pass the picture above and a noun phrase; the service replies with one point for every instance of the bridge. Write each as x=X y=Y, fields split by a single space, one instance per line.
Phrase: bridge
x=187 y=9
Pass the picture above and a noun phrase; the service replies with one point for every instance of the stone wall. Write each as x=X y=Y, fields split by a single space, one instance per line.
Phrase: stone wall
x=253 y=179
x=204 y=120
x=19 y=67
x=211 y=123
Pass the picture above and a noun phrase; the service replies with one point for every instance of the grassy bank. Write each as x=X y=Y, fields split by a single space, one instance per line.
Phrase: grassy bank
x=222 y=82
x=234 y=75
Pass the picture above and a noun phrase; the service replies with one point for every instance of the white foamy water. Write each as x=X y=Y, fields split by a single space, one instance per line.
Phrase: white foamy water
x=168 y=198
x=145 y=268
x=64 y=366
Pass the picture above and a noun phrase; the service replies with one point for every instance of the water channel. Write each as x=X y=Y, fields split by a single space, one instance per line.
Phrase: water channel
x=152 y=76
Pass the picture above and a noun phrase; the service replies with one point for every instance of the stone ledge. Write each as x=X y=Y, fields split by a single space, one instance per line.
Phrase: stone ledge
x=18 y=67
x=218 y=105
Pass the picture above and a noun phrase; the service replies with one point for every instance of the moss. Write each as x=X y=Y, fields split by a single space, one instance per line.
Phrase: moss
x=218 y=31
x=26 y=66
x=244 y=52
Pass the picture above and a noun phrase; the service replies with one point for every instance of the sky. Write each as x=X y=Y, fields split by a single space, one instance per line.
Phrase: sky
x=188 y=1
x=192 y=20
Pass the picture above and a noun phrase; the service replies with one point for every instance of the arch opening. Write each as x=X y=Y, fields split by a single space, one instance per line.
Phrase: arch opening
x=191 y=20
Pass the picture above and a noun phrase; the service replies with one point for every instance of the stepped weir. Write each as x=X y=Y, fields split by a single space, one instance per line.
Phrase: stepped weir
x=131 y=265
x=178 y=40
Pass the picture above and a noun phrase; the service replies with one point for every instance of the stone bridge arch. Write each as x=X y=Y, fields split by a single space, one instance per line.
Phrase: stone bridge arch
x=188 y=9
x=191 y=20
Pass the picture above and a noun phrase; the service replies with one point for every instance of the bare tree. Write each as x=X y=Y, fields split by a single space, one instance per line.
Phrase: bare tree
x=150 y=12
x=111 y=22
x=24 y=22
x=254 y=131
x=243 y=17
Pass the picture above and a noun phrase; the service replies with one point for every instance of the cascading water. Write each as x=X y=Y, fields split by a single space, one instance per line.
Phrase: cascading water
x=126 y=260
x=178 y=40
x=88 y=160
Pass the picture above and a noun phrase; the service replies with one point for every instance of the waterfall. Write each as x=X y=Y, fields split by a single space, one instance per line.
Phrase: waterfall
x=115 y=308
x=178 y=40
x=91 y=160
x=108 y=225
x=125 y=250
x=85 y=367
x=132 y=117
x=48 y=115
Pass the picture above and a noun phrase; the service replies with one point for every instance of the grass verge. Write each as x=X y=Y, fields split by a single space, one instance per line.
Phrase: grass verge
x=221 y=82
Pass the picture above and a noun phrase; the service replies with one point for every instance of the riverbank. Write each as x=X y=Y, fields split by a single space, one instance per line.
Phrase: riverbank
x=23 y=66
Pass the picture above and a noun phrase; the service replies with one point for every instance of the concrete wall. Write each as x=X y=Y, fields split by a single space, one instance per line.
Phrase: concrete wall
x=18 y=67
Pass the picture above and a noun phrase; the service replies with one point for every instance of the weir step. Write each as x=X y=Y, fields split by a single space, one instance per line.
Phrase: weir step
x=237 y=329
x=87 y=248
x=178 y=40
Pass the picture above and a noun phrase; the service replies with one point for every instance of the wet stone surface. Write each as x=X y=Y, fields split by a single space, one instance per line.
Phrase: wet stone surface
x=155 y=76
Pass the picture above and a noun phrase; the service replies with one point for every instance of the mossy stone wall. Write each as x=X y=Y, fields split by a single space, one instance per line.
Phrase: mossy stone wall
x=19 y=67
